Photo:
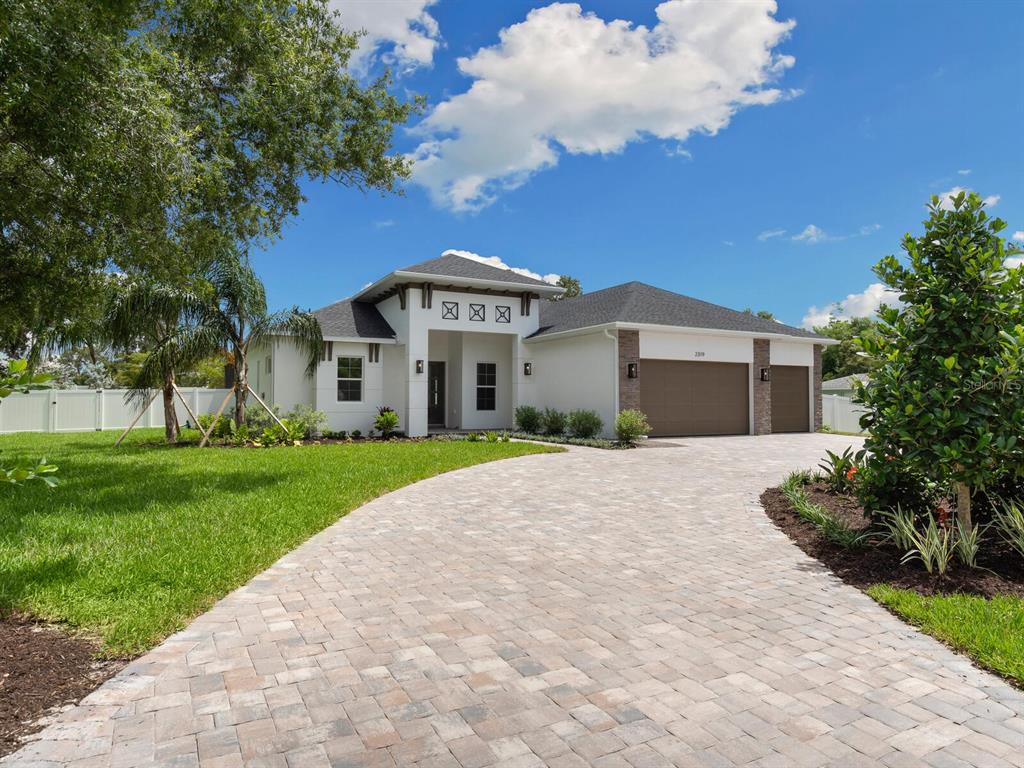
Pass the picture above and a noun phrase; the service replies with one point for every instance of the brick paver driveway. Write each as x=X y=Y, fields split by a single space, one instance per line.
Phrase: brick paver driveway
x=597 y=607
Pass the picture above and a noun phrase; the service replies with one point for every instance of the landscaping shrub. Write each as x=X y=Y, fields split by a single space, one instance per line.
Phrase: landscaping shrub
x=529 y=419
x=386 y=422
x=630 y=426
x=834 y=529
x=839 y=472
x=311 y=420
x=887 y=484
x=584 y=424
x=1009 y=520
x=225 y=426
x=473 y=437
x=944 y=403
x=491 y=436
x=554 y=422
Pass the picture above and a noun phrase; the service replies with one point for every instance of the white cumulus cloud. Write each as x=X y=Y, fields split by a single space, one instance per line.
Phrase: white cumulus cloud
x=496 y=261
x=1018 y=236
x=863 y=304
x=400 y=32
x=564 y=80
x=768 y=234
x=946 y=198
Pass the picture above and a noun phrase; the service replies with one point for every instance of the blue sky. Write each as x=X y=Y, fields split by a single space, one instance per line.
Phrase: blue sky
x=567 y=143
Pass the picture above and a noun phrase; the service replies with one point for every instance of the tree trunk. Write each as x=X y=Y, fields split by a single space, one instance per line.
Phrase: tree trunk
x=241 y=386
x=963 y=505
x=170 y=415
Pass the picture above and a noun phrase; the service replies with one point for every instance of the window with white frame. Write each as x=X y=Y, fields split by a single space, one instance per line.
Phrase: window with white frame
x=486 y=386
x=350 y=379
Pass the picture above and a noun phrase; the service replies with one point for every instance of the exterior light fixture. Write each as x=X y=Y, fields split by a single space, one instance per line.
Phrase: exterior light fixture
x=631 y=371
x=766 y=374
x=527 y=369
x=419 y=366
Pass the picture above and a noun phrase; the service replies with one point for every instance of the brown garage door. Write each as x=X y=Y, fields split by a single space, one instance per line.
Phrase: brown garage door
x=687 y=398
x=790 y=402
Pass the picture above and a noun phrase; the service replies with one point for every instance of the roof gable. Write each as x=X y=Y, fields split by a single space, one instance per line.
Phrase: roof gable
x=640 y=303
x=353 y=319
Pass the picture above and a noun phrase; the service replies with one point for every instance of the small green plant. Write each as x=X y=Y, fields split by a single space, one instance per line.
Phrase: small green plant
x=836 y=530
x=630 y=426
x=1009 y=520
x=839 y=472
x=473 y=437
x=223 y=430
x=23 y=472
x=553 y=422
x=933 y=544
x=504 y=438
x=242 y=435
x=529 y=419
x=311 y=420
x=386 y=422
x=967 y=542
x=491 y=437
x=584 y=424
x=356 y=434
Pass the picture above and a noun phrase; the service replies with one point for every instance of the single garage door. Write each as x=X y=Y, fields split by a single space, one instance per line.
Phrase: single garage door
x=790 y=400
x=690 y=398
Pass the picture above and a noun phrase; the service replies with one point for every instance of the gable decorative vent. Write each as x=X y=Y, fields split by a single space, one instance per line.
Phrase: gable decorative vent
x=449 y=310
x=477 y=312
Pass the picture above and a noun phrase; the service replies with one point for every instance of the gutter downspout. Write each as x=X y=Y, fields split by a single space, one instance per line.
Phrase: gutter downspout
x=612 y=334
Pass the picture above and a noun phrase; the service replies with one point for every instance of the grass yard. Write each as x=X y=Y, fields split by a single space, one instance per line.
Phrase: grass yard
x=136 y=541
x=988 y=629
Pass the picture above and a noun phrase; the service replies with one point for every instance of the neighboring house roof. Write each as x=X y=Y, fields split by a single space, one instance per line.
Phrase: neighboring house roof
x=353 y=319
x=845 y=382
x=642 y=304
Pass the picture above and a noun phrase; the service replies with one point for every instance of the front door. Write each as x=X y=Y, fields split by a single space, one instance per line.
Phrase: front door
x=435 y=394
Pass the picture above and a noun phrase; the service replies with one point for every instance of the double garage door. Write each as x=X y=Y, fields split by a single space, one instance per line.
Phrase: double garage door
x=704 y=398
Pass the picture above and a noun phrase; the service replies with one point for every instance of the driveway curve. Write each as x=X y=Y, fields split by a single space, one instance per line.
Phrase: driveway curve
x=606 y=608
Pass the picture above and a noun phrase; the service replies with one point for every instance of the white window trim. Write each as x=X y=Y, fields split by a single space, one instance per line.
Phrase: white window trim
x=477 y=387
x=361 y=379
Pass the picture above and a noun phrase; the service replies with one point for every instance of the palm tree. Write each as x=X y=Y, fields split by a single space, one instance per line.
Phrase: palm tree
x=235 y=315
x=154 y=316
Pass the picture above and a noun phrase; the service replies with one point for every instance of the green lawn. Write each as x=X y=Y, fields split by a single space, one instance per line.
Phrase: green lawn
x=137 y=540
x=989 y=630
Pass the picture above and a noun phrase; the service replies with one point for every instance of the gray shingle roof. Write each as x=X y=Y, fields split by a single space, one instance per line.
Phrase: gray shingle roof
x=451 y=265
x=355 y=319
x=641 y=303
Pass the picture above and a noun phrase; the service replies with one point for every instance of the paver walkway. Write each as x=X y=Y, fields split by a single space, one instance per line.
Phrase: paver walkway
x=607 y=608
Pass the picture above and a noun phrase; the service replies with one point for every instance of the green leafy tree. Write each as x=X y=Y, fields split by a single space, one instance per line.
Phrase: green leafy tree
x=945 y=402
x=572 y=288
x=151 y=136
x=848 y=356
x=764 y=314
x=234 y=315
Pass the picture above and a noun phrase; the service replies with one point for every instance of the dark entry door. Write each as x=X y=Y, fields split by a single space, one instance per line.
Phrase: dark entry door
x=435 y=394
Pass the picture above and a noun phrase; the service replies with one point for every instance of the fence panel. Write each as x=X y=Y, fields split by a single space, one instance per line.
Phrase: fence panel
x=85 y=410
x=841 y=414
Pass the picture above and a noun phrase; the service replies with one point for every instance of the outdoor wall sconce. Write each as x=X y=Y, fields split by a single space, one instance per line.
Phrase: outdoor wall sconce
x=631 y=370
x=419 y=366
x=766 y=374
x=527 y=369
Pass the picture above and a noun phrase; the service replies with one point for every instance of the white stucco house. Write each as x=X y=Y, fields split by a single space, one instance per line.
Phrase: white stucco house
x=452 y=343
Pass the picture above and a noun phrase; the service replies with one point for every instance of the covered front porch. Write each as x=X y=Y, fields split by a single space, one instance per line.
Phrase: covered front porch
x=469 y=379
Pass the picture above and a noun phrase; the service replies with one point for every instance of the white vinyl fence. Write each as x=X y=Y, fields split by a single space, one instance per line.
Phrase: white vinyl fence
x=86 y=410
x=841 y=413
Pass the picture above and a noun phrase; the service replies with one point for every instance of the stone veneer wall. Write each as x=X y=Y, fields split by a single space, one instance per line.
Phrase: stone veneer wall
x=817 y=386
x=762 y=389
x=629 y=352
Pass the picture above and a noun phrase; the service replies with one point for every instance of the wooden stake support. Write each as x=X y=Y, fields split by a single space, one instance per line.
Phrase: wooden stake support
x=195 y=419
x=213 y=424
x=267 y=409
x=135 y=421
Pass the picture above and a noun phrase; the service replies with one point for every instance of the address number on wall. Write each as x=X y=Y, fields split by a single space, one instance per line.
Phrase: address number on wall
x=698 y=354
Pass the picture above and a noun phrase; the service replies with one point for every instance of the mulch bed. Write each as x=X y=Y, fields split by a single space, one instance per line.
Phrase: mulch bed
x=1001 y=571
x=42 y=669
